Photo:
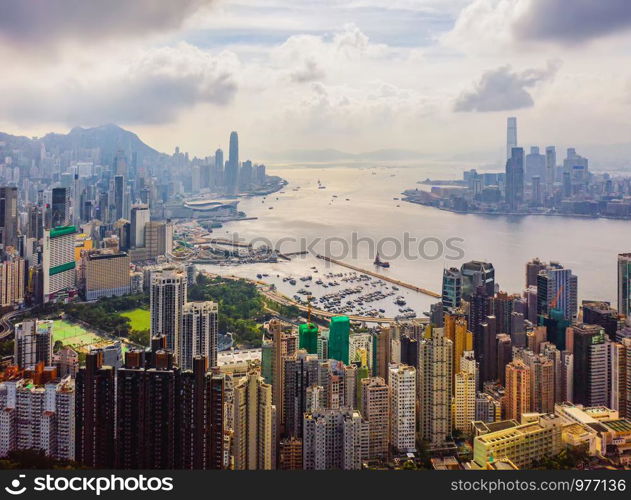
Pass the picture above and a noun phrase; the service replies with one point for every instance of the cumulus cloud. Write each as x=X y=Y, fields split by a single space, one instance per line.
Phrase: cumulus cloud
x=503 y=89
x=153 y=89
x=35 y=22
x=310 y=71
x=572 y=22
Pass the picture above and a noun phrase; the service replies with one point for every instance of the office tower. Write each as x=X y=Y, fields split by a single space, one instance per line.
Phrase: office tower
x=556 y=327
x=511 y=135
x=120 y=163
x=35 y=222
x=624 y=284
x=301 y=371
x=590 y=365
x=532 y=270
x=245 y=176
x=601 y=313
x=537 y=195
x=452 y=289
x=106 y=274
x=486 y=349
x=522 y=444
x=518 y=389
x=382 y=352
x=122 y=231
x=465 y=392
x=119 y=194
x=477 y=274
x=254 y=440
x=58 y=263
x=504 y=355
x=60 y=208
x=167 y=298
x=200 y=328
x=308 y=337
x=232 y=166
x=551 y=161
x=557 y=288
x=535 y=164
x=435 y=388
x=403 y=412
x=409 y=351
x=339 y=331
x=158 y=238
x=456 y=330
x=140 y=216
x=219 y=167
x=334 y=440
x=375 y=409
x=8 y=217
x=95 y=410
x=38 y=414
x=515 y=179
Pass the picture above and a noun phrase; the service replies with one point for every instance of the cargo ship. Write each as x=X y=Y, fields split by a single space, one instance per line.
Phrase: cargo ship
x=381 y=263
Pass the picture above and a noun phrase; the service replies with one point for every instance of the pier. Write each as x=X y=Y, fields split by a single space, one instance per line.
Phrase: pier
x=382 y=277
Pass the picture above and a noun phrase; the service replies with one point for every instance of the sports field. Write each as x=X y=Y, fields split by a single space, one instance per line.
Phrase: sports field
x=76 y=336
x=140 y=319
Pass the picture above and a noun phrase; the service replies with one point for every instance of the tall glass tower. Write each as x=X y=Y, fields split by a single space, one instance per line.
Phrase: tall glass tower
x=511 y=135
x=232 y=170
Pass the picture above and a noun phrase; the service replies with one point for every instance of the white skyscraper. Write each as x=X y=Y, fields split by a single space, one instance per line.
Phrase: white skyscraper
x=199 y=334
x=511 y=135
x=403 y=427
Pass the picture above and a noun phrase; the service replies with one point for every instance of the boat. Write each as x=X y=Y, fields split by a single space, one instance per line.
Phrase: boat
x=381 y=263
x=292 y=281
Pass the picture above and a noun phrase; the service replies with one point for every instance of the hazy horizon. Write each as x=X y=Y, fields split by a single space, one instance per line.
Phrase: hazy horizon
x=434 y=76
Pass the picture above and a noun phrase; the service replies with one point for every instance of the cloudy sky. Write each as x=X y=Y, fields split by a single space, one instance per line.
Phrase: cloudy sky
x=437 y=76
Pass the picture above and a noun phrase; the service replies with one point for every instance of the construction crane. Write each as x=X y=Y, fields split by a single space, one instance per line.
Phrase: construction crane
x=555 y=300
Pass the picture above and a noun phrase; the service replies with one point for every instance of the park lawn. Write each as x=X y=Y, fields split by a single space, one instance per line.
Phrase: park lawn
x=140 y=318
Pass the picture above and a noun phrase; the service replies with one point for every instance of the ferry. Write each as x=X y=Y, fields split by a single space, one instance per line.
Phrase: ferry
x=381 y=263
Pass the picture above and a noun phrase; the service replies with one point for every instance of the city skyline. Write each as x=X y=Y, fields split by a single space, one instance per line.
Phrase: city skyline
x=286 y=75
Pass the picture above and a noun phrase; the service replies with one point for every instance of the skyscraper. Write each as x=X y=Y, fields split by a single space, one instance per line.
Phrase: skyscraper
x=435 y=388
x=232 y=168
x=551 y=163
x=375 y=408
x=475 y=274
x=8 y=217
x=465 y=391
x=33 y=343
x=557 y=288
x=60 y=207
x=517 y=389
x=591 y=368
x=452 y=289
x=624 y=284
x=140 y=216
x=403 y=412
x=515 y=179
x=511 y=135
x=167 y=299
x=339 y=331
x=254 y=417
x=199 y=334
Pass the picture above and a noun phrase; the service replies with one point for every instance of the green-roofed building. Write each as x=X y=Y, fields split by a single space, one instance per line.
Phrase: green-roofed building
x=308 y=337
x=339 y=333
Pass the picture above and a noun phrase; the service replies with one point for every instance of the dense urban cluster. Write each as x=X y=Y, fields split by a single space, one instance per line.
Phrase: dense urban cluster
x=533 y=183
x=488 y=380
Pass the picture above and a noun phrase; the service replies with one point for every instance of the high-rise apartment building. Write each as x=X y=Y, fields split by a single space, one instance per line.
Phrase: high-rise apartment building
x=200 y=328
x=465 y=392
x=435 y=374
x=403 y=411
x=167 y=298
x=375 y=407
x=254 y=440
x=334 y=439
x=33 y=343
x=518 y=387
x=8 y=217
